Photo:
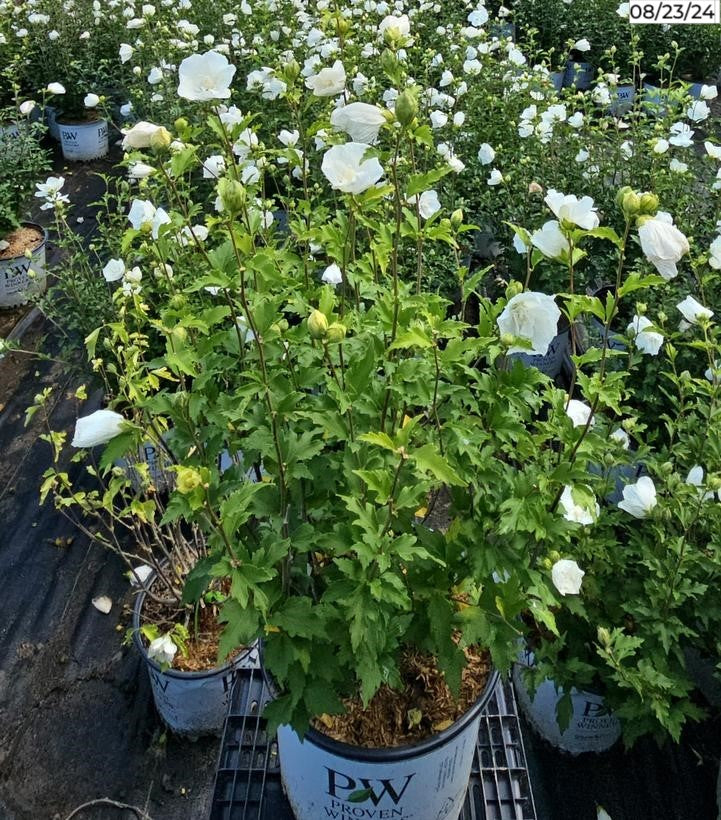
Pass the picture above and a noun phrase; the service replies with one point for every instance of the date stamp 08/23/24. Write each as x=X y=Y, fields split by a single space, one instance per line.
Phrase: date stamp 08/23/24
x=675 y=12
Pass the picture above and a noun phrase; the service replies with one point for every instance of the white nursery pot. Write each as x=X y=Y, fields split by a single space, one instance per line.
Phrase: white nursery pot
x=580 y=75
x=192 y=704
x=84 y=141
x=158 y=462
x=622 y=100
x=425 y=781
x=551 y=363
x=593 y=727
x=9 y=131
x=557 y=78
x=51 y=120
x=17 y=284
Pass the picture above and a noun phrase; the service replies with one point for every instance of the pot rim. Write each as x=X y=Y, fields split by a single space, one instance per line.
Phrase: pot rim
x=26 y=223
x=177 y=673
x=59 y=120
x=392 y=754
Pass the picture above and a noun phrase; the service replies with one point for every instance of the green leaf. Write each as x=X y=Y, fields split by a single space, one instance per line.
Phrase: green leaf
x=119 y=446
x=418 y=183
x=380 y=439
x=605 y=233
x=431 y=461
x=299 y=618
x=413 y=337
x=359 y=795
x=241 y=629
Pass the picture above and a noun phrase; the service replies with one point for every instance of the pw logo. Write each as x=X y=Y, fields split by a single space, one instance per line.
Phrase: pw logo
x=342 y=786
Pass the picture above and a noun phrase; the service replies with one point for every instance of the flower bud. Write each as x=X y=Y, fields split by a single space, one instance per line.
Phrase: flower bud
x=534 y=188
x=604 y=636
x=631 y=204
x=317 y=324
x=178 y=301
x=291 y=70
x=641 y=308
x=457 y=218
x=336 y=332
x=160 y=140
x=187 y=479
x=513 y=289
x=667 y=468
x=622 y=193
x=406 y=107
x=508 y=339
x=649 y=204
x=554 y=555
x=181 y=124
x=232 y=195
x=713 y=482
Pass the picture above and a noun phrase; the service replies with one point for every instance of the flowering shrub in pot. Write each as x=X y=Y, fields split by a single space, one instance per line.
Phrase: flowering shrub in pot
x=321 y=349
x=22 y=243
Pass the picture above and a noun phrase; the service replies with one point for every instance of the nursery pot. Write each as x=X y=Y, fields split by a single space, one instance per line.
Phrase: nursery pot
x=557 y=78
x=579 y=75
x=17 y=283
x=191 y=703
x=622 y=100
x=158 y=462
x=551 y=363
x=84 y=140
x=593 y=727
x=9 y=131
x=323 y=777
x=51 y=120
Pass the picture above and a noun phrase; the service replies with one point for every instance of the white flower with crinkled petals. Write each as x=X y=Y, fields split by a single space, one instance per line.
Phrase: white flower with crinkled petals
x=396 y=27
x=681 y=135
x=140 y=135
x=345 y=167
x=55 y=88
x=662 y=243
x=162 y=650
x=91 y=101
x=647 y=341
x=660 y=146
x=50 y=192
x=695 y=479
x=575 y=512
x=550 y=240
x=494 y=178
x=332 y=275
x=114 y=270
x=580 y=212
x=620 y=436
x=97 y=428
x=579 y=413
x=328 y=82
x=639 y=498
x=698 y=111
x=428 y=203
x=693 y=311
x=140 y=170
x=204 y=77
x=361 y=121
x=214 y=167
x=533 y=317
x=126 y=52
x=567 y=576
x=714 y=251
x=486 y=154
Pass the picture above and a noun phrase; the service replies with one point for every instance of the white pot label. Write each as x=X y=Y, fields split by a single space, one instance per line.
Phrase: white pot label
x=431 y=786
